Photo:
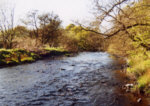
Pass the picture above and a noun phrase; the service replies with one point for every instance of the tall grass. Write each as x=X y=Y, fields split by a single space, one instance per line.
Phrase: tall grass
x=139 y=62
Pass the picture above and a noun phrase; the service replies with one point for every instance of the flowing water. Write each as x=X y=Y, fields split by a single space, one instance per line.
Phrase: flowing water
x=84 y=80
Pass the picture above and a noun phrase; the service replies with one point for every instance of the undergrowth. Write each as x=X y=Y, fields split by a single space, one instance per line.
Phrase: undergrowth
x=139 y=68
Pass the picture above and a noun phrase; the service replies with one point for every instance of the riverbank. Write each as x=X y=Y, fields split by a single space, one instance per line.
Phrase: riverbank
x=11 y=57
x=128 y=84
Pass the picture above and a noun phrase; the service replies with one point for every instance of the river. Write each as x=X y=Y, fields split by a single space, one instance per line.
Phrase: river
x=87 y=79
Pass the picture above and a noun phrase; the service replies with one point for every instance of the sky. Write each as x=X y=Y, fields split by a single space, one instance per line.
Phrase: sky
x=67 y=10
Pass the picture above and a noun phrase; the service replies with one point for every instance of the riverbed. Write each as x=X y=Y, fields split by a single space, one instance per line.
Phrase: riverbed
x=87 y=79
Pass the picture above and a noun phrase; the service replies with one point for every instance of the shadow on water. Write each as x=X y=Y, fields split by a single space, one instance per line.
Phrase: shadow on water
x=88 y=79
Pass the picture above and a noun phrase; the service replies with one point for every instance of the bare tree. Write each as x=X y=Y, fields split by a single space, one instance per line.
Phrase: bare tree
x=32 y=22
x=7 y=27
x=44 y=26
x=120 y=17
x=115 y=14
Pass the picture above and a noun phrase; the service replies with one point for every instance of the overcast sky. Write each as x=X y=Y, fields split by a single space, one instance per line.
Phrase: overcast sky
x=67 y=10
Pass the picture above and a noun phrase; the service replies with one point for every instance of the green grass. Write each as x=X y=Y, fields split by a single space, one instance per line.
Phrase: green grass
x=16 y=56
x=144 y=80
x=139 y=62
x=57 y=49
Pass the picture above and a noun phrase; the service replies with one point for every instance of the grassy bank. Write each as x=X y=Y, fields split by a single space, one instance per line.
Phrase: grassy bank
x=139 y=69
x=18 y=56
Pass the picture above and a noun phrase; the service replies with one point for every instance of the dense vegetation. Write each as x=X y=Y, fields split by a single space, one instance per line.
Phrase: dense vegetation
x=80 y=40
x=139 y=58
x=131 y=26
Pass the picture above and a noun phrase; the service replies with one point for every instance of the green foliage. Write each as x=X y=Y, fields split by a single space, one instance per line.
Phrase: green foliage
x=134 y=43
x=139 y=62
x=139 y=59
x=83 y=40
x=144 y=80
